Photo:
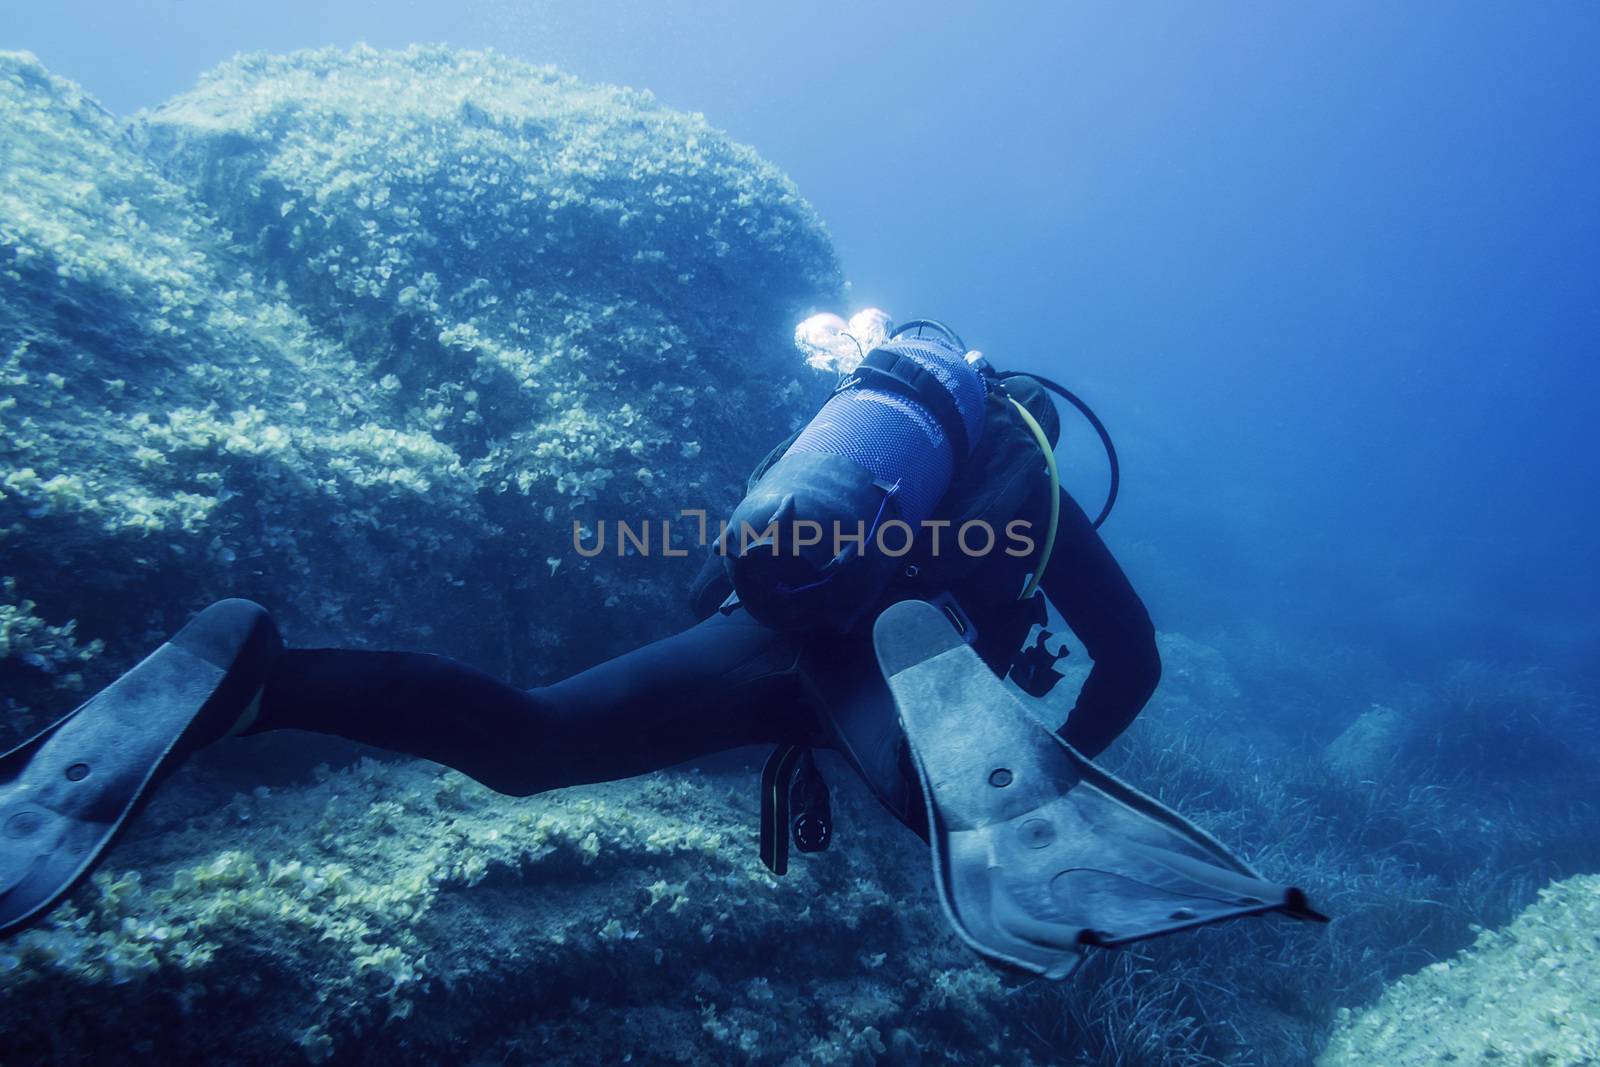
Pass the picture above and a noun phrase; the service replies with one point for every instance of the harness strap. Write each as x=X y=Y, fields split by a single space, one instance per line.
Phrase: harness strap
x=775 y=779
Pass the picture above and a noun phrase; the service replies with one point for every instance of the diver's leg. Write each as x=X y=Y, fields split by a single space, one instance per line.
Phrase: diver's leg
x=726 y=682
x=65 y=793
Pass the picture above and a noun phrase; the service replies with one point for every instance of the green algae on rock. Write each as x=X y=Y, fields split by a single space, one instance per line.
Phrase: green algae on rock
x=393 y=910
x=362 y=335
x=1528 y=994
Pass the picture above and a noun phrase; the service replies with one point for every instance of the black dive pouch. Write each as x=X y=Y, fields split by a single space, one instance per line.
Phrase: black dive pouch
x=847 y=498
x=803 y=549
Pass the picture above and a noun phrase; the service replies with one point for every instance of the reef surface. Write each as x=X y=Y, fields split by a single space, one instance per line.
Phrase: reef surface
x=361 y=335
x=1527 y=994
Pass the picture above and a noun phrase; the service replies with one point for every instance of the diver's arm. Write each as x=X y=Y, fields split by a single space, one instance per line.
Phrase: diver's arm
x=1098 y=602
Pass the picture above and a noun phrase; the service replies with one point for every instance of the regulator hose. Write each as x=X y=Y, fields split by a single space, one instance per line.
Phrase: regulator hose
x=1055 y=496
x=1099 y=427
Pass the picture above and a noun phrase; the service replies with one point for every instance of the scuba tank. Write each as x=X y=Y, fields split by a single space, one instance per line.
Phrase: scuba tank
x=809 y=545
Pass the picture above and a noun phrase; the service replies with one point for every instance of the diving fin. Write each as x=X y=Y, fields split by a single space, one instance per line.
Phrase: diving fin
x=1037 y=853
x=66 y=793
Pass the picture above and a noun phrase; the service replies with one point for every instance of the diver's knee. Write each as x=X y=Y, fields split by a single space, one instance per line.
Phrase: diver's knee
x=535 y=750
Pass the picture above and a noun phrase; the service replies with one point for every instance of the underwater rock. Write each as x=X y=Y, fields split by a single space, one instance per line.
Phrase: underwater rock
x=1527 y=994
x=361 y=335
x=393 y=911
x=1368 y=745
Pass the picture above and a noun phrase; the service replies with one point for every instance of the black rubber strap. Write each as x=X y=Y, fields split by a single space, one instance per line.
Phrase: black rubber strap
x=896 y=373
x=775 y=779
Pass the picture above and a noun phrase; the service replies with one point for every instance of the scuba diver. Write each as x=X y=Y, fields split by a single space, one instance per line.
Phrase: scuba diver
x=871 y=593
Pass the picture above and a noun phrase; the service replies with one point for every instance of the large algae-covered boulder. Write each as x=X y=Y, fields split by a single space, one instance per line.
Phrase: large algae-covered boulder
x=1528 y=994
x=363 y=335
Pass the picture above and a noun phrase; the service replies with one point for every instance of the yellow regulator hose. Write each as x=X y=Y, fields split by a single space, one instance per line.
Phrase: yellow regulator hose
x=1055 y=496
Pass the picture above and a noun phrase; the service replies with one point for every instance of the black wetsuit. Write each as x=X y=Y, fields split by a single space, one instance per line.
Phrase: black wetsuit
x=725 y=682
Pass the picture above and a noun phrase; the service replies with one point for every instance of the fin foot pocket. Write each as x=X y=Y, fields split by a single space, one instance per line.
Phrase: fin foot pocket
x=1037 y=852
x=67 y=792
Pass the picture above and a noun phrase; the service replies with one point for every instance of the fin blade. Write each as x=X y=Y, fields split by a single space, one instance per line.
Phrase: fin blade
x=1031 y=841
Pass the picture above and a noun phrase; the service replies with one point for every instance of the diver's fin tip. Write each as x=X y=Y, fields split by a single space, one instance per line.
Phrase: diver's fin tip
x=1297 y=905
x=66 y=793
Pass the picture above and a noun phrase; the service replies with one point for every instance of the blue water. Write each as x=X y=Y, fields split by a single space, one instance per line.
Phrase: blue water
x=1329 y=274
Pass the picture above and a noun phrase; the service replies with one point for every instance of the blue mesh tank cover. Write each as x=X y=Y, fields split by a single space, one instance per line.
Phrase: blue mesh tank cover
x=890 y=430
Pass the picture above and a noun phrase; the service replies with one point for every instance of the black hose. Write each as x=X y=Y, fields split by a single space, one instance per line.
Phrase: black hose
x=932 y=324
x=1094 y=420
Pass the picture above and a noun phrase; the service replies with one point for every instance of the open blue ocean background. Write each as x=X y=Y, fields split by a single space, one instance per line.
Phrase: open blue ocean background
x=1330 y=274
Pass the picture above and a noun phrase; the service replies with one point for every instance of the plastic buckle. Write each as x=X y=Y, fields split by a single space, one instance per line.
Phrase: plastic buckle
x=1034 y=670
